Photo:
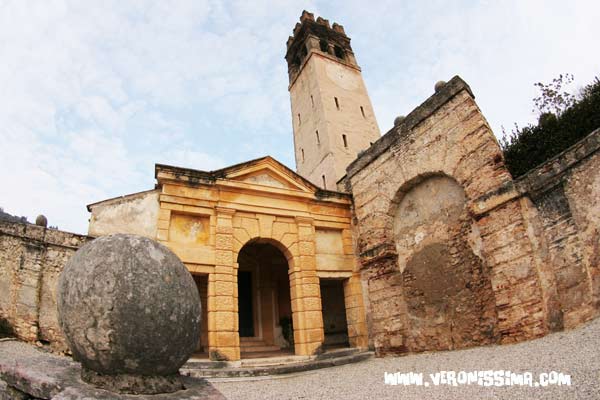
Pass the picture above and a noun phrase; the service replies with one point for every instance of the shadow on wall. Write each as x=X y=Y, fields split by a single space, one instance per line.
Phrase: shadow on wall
x=6 y=329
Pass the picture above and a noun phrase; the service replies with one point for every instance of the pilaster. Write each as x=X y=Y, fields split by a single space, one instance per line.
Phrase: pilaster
x=306 y=293
x=223 y=336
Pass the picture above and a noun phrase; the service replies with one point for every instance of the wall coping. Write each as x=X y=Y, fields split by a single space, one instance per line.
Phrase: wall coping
x=541 y=178
x=43 y=235
x=546 y=175
x=418 y=115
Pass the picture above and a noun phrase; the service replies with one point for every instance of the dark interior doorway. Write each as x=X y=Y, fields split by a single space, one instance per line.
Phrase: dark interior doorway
x=335 y=324
x=202 y=285
x=264 y=302
x=246 y=318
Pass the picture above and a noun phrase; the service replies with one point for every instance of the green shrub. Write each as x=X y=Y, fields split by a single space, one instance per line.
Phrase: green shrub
x=524 y=148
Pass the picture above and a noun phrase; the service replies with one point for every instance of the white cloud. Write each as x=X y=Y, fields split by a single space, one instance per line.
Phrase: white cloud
x=94 y=93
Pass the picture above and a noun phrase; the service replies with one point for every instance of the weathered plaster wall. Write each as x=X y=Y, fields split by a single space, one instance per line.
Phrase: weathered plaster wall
x=517 y=266
x=31 y=258
x=447 y=287
x=136 y=214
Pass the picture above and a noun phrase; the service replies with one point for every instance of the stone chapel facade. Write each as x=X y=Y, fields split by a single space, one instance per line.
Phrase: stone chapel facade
x=416 y=240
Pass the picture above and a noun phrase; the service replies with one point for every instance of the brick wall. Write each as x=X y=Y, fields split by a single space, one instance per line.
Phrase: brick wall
x=527 y=248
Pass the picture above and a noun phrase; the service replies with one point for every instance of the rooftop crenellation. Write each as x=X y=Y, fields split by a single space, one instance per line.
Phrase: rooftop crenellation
x=312 y=35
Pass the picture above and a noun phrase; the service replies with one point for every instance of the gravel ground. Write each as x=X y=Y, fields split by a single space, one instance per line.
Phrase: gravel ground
x=576 y=353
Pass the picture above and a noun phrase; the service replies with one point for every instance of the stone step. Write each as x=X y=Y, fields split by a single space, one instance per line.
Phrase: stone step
x=338 y=353
x=237 y=370
x=259 y=348
x=272 y=361
x=251 y=342
x=244 y=339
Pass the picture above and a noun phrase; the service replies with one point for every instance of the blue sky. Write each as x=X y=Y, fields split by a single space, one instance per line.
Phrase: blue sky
x=93 y=93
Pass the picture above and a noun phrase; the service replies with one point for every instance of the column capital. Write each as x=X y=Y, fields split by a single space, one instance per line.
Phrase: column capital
x=300 y=220
x=224 y=211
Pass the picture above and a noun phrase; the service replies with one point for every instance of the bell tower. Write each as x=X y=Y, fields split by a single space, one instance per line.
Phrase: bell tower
x=332 y=115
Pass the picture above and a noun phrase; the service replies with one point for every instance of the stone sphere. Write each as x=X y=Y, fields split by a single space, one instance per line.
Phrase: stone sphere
x=439 y=85
x=41 y=221
x=128 y=305
x=398 y=120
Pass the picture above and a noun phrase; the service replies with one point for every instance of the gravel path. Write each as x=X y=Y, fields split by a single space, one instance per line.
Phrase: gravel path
x=575 y=352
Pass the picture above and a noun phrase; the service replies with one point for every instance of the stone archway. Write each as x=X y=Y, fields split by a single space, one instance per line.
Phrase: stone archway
x=446 y=285
x=264 y=303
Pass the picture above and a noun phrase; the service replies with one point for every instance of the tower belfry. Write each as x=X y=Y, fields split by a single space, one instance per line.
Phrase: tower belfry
x=332 y=115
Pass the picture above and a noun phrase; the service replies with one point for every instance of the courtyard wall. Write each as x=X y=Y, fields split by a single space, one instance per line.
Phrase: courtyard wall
x=530 y=247
x=31 y=259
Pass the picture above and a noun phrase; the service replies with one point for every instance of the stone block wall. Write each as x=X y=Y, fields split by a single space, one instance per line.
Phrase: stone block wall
x=454 y=252
x=565 y=192
x=31 y=258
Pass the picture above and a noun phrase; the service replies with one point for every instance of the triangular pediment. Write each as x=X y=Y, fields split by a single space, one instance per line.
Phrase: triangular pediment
x=268 y=172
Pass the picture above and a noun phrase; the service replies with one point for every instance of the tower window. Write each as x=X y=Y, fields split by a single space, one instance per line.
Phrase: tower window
x=339 y=53
x=362 y=111
x=323 y=45
x=302 y=151
x=337 y=103
x=312 y=100
x=299 y=120
x=318 y=140
x=324 y=183
x=345 y=141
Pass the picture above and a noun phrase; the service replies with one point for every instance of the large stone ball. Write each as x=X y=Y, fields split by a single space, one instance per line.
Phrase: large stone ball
x=127 y=305
x=41 y=220
x=439 y=85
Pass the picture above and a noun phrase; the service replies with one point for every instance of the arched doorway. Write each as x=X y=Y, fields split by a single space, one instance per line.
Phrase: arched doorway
x=264 y=304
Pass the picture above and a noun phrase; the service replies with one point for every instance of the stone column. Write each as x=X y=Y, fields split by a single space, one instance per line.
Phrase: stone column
x=223 y=336
x=305 y=293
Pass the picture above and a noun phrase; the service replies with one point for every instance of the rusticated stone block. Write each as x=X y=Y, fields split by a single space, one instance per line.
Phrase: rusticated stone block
x=223 y=242
x=306 y=248
x=222 y=321
x=224 y=257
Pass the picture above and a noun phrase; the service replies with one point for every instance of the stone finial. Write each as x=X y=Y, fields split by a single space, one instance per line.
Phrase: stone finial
x=323 y=21
x=41 y=220
x=307 y=16
x=338 y=28
x=398 y=120
x=439 y=85
x=297 y=28
x=130 y=312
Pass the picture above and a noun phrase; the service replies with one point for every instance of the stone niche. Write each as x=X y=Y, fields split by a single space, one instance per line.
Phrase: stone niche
x=447 y=289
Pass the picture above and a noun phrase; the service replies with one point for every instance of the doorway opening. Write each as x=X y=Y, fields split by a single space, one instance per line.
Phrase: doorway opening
x=202 y=285
x=335 y=324
x=246 y=322
x=264 y=302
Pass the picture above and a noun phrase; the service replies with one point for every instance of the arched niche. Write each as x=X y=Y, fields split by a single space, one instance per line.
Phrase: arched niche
x=446 y=285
